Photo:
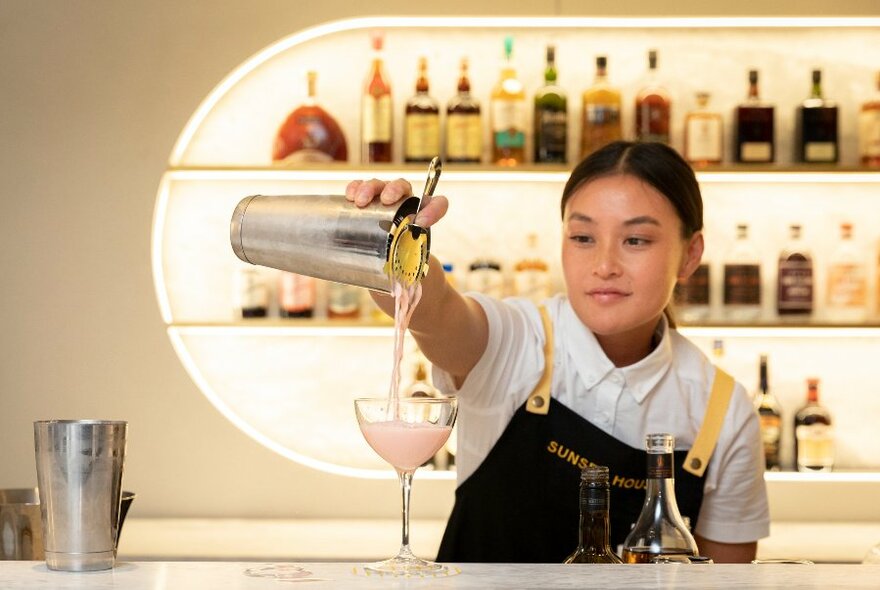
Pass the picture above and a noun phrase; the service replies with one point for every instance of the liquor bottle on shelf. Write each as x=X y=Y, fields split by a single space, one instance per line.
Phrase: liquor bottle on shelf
x=551 y=117
x=421 y=121
x=593 y=533
x=485 y=276
x=653 y=106
x=846 y=281
x=794 y=277
x=420 y=386
x=754 y=128
x=814 y=436
x=376 y=115
x=742 y=280
x=296 y=295
x=343 y=301
x=660 y=531
x=692 y=301
x=816 y=127
x=252 y=293
x=771 y=418
x=508 y=114
x=600 y=124
x=464 y=126
x=531 y=274
x=869 y=130
x=703 y=134
x=310 y=134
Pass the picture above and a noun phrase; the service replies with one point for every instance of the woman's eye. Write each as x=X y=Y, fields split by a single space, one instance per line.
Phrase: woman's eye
x=581 y=238
x=634 y=241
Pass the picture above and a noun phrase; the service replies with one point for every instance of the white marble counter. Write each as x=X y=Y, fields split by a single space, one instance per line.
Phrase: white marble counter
x=15 y=575
x=350 y=540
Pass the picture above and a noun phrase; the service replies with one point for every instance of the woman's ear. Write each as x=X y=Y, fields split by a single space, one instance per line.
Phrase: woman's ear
x=693 y=254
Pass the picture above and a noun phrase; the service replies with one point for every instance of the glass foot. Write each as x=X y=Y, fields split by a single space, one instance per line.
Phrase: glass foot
x=407 y=566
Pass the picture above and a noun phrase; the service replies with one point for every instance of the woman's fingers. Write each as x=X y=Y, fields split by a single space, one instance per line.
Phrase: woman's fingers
x=432 y=212
x=395 y=191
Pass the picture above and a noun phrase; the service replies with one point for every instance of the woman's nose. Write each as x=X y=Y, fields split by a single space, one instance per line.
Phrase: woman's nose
x=607 y=263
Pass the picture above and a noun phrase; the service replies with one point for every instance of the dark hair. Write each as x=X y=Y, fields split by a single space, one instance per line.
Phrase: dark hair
x=654 y=163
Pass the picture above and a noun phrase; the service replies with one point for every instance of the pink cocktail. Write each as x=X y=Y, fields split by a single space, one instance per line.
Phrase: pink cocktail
x=406 y=432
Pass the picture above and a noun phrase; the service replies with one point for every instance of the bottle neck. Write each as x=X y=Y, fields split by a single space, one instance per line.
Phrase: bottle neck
x=595 y=522
x=753 y=92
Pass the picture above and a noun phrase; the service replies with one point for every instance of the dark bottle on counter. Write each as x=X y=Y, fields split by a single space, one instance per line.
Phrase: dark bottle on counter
x=660 y=531
x=595 y=500
x=464 y=127
x=813 y=435
x=754 y=128
x=551 y=117
x=653 y=107
x=310 y=134
x=771 y=418
x=421 y=140
x=376 y=114
x=794 y=278
x=816 y=126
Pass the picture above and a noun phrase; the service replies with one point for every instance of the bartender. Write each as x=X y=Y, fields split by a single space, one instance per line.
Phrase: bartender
x=581 y=378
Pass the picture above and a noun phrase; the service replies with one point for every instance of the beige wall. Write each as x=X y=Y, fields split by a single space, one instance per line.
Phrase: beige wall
x=92 y=97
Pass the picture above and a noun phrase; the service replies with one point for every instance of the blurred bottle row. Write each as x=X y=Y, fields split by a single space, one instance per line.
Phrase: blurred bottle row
x=310 y=133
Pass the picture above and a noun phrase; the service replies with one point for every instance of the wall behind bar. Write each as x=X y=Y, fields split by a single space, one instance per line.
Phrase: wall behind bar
x=93 y=95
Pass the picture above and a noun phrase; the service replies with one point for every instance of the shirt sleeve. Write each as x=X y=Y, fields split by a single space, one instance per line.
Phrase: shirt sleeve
x=735 y=508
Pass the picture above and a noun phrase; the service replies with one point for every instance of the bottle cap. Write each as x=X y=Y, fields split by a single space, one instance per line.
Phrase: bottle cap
x=595 y=473
x=601 y=62
x=753 y=76
x=652 y=59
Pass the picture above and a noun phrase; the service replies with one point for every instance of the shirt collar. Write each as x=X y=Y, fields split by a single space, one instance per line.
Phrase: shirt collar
x=593 y=366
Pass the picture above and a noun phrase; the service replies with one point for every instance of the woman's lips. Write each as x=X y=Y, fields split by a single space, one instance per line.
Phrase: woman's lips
x=607 y=295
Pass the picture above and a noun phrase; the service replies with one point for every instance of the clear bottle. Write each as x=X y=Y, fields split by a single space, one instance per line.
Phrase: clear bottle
x=252 y=293
x=794 y=278
x=755 y=128
x=660 y=532
x=653 y=106
x=742 y=280
x=421 y=121
x=508 y=114
x=869 y=130
x=464 y=123
x=600 y=123
x=846 y=281
x=296 y=295
x=595 y=500
x=376 y=112
x=703 y=134
x=551 y=117
x=310 y=134
x=771 y=418
x=531 y=273
x=343 y=301
x=814 y=436
x=484 y=276
x=692 y=296
x=816 y=127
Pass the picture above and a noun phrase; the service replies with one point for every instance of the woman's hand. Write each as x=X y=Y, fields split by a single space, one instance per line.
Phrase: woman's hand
x=363 y=192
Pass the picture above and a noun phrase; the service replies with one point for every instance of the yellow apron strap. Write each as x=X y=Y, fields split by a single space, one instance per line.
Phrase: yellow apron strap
x=698 y=457
x=539 y=399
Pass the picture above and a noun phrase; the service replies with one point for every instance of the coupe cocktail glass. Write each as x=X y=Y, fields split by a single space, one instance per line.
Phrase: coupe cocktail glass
x=406 y=432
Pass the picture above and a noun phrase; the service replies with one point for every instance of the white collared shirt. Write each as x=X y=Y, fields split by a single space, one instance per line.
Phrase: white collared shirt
x=667 y=391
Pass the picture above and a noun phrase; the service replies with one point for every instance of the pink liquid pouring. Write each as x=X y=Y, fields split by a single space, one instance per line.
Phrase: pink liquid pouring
x=405 y=445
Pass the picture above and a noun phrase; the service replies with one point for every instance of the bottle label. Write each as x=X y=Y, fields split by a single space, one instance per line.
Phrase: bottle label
x=846 y=285
x=508 y=123
x=376 y=119
x=602 y=114
x=770 y=434
x=422 y=135
x=820 y=151
x=464 y=137
x=742 y=284
x=660 y=466
x=694 y=290
x=296 y=293
x=703 y=139
x=595 y=499
x=815 y=446
x=756 y=151
x=795 y=285
x=532 y=283
x=343 y=300
x=869 y=133
x=551 y=128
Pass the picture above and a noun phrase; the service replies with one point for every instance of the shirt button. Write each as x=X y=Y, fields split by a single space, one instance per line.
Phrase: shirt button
x=616 y=378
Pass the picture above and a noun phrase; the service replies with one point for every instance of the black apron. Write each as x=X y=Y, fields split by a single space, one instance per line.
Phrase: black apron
x=521 y=504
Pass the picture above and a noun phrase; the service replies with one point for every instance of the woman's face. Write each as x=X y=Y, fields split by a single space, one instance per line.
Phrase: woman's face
x=622 y=252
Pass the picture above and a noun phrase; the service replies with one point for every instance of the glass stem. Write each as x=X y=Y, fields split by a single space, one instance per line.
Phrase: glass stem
x=405 y=488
